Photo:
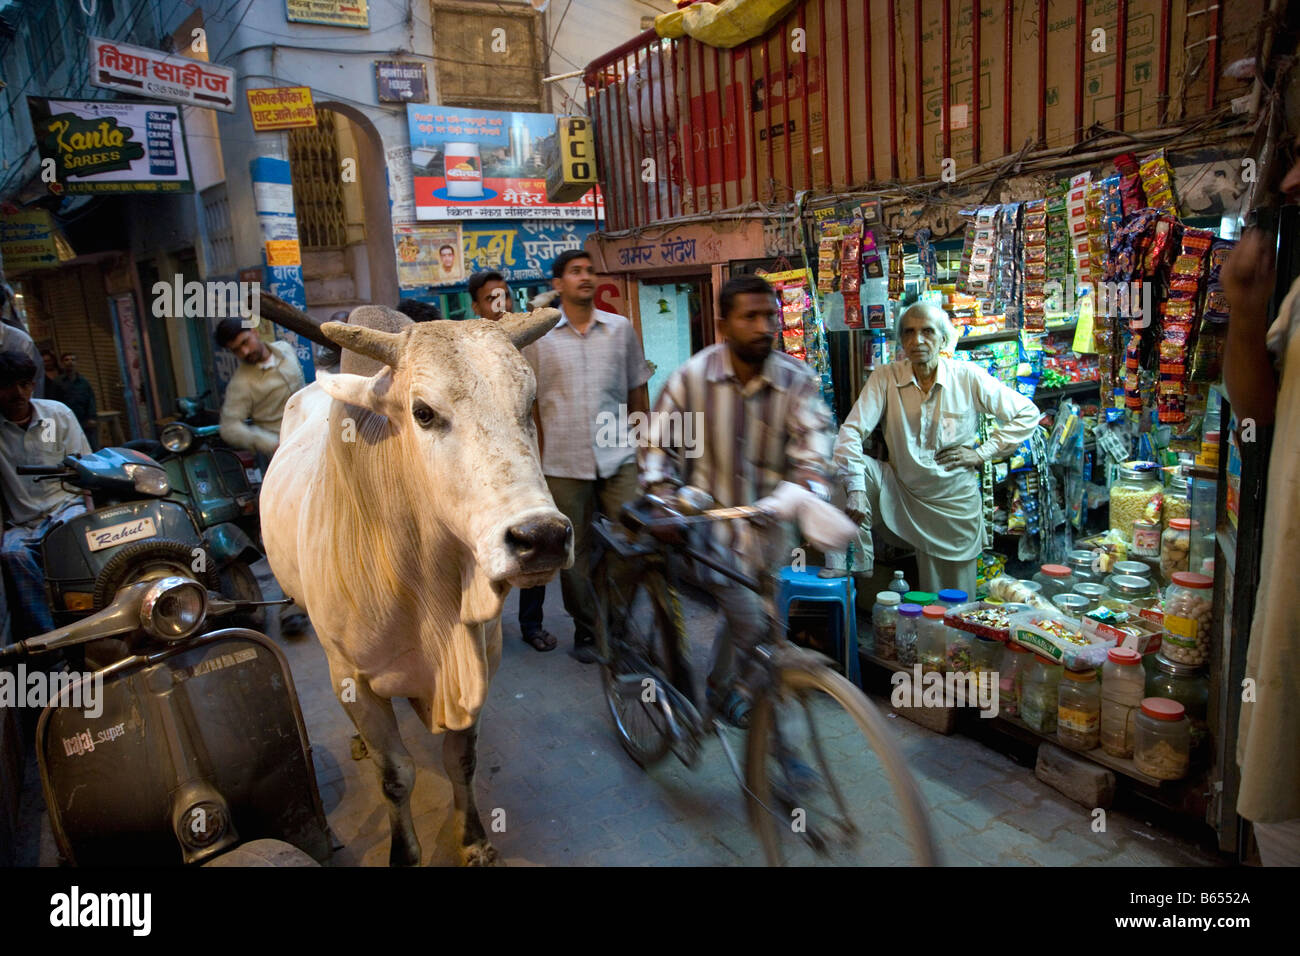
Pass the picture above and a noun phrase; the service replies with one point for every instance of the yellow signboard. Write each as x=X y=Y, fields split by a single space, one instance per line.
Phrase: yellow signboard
x=281 y=107
x=27 y=241
x=334 y=13
x=573 y=172
x=283 y=252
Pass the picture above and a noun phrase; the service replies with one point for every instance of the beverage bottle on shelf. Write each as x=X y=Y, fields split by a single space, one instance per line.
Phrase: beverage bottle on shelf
x=899 y=584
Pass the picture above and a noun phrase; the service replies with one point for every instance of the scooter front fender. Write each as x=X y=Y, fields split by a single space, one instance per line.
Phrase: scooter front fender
x=227 y=542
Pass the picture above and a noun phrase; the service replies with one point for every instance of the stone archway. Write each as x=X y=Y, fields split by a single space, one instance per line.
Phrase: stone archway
x=345 y=228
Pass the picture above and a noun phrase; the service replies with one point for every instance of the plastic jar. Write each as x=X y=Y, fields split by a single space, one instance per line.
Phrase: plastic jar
x=1072 y=605
x=957 y=650
x=1123 y=686
x=1039 y=696
x=1138 y=569
x=1093 y=592
x=1189 y=611
x=884 y=623
x=1189 y=687
x=931 y=639
x=1080 y=564
x=1055 y=579
x=1078 y=717
x=1178 y=501
x=1175 y=547
x=985 y=654
x=1015 y=661
x=1138 y=495
x=920 y=598
x=1162 y=739
x=1146 y=538
x=1125 y=590
x=905 y=636
x=952 y=597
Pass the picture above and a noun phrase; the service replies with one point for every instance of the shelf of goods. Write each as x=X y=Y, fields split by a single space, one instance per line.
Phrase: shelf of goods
x=1171 y=793
x=1073 y=388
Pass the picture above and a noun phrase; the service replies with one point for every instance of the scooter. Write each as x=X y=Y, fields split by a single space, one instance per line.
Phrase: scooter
x=140 y=527
x=186 y=748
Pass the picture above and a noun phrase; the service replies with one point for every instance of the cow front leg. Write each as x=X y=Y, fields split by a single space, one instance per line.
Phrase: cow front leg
x=374 y=718
x=460 y=759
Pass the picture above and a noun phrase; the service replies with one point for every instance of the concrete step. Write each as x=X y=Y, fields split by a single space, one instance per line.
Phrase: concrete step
x=330 y=291
x=318 y=264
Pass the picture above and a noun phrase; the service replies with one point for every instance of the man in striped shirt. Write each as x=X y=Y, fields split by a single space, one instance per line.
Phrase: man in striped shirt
x=761 y=421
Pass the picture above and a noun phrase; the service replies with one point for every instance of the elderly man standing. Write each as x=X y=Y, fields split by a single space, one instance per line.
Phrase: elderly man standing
x=590 y=368
x=928 y=493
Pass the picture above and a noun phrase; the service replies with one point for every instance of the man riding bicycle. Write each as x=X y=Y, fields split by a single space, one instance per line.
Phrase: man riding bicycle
x=758 y=421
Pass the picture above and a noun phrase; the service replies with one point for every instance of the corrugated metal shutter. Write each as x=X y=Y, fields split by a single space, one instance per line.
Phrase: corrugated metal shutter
x=78 y=315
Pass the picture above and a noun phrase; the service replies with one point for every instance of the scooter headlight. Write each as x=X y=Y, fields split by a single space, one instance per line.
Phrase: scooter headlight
x=149 y=480
x=177 y=438
x=174 y=608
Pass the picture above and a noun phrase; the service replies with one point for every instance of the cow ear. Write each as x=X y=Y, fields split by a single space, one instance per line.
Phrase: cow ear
x=374 y=393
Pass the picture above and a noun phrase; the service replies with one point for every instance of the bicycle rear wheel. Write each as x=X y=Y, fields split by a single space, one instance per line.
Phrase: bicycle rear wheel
x=635 y=630
x=826 y=784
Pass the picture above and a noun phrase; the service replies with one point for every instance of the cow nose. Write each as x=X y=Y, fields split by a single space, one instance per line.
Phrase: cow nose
x=540 y=539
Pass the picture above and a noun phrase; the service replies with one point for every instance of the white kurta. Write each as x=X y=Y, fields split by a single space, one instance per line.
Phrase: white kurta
x=935 y=509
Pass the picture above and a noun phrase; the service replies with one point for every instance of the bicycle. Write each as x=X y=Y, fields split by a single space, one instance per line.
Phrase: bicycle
x=796 y=805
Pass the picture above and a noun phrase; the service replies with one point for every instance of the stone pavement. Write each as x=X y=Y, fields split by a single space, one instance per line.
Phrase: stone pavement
x=552 y=773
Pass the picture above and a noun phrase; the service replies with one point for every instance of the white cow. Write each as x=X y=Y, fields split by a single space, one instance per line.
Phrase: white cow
x=400 y=508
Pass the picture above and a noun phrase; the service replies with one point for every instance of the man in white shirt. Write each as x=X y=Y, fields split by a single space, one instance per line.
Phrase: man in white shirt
x=928 y=493
x=33 y=431
x=266 y=377
x=591 y=371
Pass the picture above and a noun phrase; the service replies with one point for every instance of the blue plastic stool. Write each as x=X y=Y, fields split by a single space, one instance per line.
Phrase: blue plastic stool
x=807 y=586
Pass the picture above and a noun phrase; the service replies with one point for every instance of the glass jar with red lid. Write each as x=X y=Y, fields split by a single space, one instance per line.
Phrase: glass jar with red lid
x=1162 y=741
x=1055 y=579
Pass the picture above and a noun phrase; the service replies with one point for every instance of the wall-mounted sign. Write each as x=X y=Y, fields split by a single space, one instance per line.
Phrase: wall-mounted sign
x=485 y=164
x=281 y=107
x=522 y=251
x=429 y=255
x=571 y=173
x=334 y=13
x=27 y=241
x=108 y=146
x=691 y=245
x=164 y=76
x=282 y=272
x=401 y=82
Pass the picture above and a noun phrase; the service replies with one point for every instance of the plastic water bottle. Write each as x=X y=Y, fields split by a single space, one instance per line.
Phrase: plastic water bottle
x=899 y=584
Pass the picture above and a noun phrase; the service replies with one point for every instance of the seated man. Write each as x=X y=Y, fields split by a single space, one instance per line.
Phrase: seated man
x=33 y=431
x=762 y=421
x=928 y=493
x=266 y=377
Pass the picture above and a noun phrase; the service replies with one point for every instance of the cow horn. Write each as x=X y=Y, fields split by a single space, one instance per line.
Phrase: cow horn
x=383 y=347
x=526 y=327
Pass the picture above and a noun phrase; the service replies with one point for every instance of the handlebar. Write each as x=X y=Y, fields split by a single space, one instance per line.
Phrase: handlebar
x=42 y=469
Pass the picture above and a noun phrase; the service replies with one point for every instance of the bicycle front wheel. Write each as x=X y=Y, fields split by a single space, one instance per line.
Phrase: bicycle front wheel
x=635 y=631
x=826 y=784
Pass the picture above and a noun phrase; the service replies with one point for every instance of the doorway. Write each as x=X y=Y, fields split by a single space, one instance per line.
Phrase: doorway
x=676 y=322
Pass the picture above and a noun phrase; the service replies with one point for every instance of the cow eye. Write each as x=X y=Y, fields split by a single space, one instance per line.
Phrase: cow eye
x=426 y=417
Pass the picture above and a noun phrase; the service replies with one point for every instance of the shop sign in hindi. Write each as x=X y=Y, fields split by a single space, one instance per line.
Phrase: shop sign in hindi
x=401 y=82
x=281 y=107
x=163 y=76
x=108 y=146
x=334 y=13
x=27 y=241
x=522 y=251
x=485 y=164
x=428 y=255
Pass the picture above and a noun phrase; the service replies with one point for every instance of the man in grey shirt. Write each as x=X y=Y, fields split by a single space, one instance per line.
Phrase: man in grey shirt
x=33 y=431
x=591 y=373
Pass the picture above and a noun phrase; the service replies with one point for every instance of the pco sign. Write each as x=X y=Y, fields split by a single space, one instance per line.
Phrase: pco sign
x=573 y=172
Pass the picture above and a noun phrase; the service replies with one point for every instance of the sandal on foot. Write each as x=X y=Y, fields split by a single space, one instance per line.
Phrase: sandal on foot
x=540 y=640
x=734 y=710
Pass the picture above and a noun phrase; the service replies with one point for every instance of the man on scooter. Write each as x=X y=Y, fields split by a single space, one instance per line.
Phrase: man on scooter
x=33 y=431
x=266 y=377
